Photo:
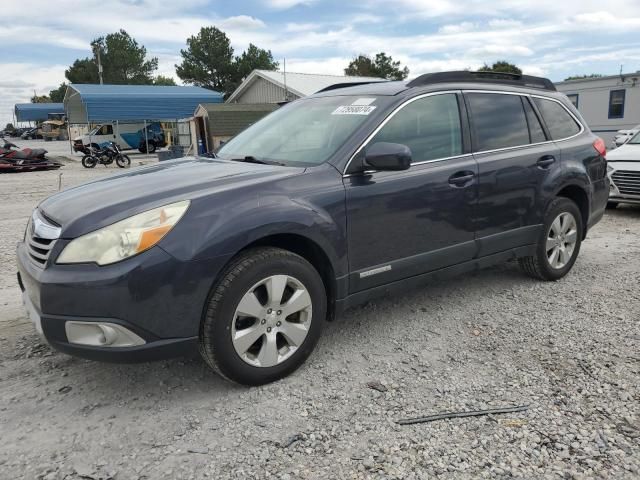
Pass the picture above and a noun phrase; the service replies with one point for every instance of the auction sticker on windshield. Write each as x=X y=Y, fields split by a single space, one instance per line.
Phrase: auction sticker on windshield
x=362 y=106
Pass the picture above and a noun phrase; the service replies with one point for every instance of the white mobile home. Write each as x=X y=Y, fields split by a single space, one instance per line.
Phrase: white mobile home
x=608 y=104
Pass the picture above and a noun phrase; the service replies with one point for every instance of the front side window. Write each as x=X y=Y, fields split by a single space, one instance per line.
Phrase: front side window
x=616 y=103
x=429 y=126
x=559 y=122
x=498 y=120
x=305 y=132
x=106 y=130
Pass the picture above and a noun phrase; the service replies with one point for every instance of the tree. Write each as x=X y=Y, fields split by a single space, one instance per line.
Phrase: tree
x=123 y=60
x=501 y=66
x=83 y=71
x=40 y=99
x=162 y=80
x=57 y=95
x=208 y=61
x=251 y=59
x=580 y=77
x=381 y=66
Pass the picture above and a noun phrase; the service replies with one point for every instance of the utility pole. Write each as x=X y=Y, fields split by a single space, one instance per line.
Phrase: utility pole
x=97 y=52
x=284 y=72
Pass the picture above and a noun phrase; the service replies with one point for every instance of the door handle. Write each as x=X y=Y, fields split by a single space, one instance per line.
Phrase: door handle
x=461 y=179
x=545 y=161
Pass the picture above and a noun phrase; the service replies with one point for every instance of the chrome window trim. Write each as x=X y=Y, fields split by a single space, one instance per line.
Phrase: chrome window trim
x=443 y=92
x=384 y=122
x=504 y=149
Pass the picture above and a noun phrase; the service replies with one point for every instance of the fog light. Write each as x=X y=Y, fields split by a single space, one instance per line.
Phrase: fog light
x=101 y=334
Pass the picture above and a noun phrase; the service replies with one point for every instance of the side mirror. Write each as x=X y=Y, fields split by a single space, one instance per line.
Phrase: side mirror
x=387 y=156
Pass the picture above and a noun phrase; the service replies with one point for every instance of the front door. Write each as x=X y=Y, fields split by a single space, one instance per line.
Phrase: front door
x=402 y=224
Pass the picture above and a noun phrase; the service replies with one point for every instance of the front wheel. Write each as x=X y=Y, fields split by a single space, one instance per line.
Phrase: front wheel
x=89 y=161
x=123 y=161
x=264 y=316
x=559 y=242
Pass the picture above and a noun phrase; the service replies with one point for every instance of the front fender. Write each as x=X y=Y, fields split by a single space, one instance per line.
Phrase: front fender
x=311 y=206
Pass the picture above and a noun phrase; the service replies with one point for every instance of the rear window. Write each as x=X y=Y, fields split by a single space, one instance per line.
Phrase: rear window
x=559 y=122
x=499 y=121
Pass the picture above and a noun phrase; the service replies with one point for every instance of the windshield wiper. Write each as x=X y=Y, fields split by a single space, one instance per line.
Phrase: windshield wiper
x=252 y=159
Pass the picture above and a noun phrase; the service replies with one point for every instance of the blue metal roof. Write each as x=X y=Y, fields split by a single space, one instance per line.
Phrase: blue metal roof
x=91 y=103
x=29 y=112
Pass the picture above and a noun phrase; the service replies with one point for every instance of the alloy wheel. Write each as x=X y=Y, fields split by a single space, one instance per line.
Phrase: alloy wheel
x=271 y=321
x=561 y=240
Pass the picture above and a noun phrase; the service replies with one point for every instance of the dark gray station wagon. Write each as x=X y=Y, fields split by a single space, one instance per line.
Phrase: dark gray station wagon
x=334 y=199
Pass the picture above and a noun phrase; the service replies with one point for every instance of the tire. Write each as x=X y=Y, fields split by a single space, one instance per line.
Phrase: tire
x=612 y=205
x=244 y=280
x=123 y=161
x=143 y=147
x=541 y=265
x=89 y=161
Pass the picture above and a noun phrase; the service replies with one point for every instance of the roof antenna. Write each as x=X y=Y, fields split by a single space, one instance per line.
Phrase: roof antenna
x=284 y=73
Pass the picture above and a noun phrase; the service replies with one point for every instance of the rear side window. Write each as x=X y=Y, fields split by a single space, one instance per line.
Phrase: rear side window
x=559 y=122
x=430 y=127
x=535 y=129
x=499 y=121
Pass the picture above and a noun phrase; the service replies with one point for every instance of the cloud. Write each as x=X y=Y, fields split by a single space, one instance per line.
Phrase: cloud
x=15 y=89
x=457 y=28
x=285 y=4
x=242 y=21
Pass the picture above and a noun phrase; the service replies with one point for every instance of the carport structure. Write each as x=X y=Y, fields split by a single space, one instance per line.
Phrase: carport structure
x=86 y=104
x=36 y=112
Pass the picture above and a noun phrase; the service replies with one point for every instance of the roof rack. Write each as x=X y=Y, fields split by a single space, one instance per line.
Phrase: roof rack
x=335 y=86
x=483 y=77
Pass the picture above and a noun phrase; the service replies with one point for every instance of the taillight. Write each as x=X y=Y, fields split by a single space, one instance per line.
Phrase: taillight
x=600 y=147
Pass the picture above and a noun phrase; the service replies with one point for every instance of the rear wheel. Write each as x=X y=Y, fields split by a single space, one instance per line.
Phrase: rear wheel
x=89 y=161
x=123 y=161
x=264 y=317
x=559 y=243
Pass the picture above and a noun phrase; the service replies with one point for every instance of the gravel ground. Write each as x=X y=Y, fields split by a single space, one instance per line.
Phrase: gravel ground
x=568 y=350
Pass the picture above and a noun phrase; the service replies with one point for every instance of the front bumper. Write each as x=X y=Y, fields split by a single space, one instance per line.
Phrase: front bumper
x=152 y=295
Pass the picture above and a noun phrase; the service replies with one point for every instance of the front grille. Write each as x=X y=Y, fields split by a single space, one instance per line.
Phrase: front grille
x=40 y=238
x=627 y=181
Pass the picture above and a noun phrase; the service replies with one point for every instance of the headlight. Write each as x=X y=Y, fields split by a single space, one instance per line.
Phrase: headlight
x=126 y=238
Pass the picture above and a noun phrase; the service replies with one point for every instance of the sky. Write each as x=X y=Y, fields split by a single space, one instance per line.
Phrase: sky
x=552 y=38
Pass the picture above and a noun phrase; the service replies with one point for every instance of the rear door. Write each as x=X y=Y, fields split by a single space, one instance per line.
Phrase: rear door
x=402 y=224
x=515 y=162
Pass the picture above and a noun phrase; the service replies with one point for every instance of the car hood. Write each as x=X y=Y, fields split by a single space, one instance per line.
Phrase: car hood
x=629 y=152
x=90 y=206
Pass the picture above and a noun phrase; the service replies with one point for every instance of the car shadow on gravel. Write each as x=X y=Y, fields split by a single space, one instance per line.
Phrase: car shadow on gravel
x=625 y=211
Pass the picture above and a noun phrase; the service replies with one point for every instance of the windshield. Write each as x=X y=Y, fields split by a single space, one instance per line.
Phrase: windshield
x=95 y=130
x=305 y=132
x=635 y=140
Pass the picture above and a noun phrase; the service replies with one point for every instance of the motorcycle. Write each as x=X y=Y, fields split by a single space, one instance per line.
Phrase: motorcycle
x=27 y=159
x=105 y=156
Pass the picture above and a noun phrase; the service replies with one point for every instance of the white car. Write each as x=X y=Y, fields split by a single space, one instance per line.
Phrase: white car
x=624 y=172
x=623 y=136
